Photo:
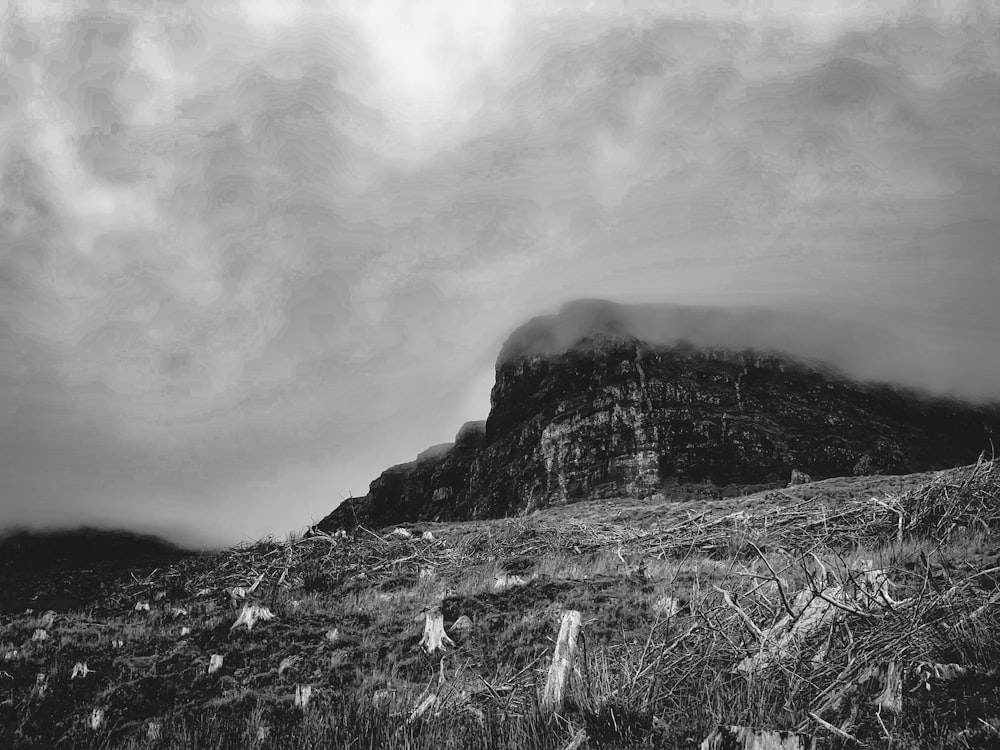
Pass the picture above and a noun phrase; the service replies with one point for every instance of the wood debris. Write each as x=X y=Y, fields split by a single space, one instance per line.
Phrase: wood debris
x=891 y=697
x=250 y=614
x=421 y=708
x=505 y=581
x=95 y=719
x=667 y=606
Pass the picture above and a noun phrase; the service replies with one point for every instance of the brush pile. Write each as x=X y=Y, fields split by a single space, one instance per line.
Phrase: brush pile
x=315 y=562
x=862 y=663
x=965 y=498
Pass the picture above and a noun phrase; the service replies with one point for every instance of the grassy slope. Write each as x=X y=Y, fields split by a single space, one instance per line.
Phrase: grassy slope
x=647 y=676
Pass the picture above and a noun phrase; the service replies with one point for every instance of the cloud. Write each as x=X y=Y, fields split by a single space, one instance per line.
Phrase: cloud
x=258 y=250
x=866 y=350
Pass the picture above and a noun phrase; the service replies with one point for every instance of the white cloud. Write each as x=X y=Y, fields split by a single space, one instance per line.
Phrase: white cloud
x=292 y=234
x=428 y=65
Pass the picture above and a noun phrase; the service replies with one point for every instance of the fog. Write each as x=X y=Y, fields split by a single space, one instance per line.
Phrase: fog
x=868 y=351
x=253 y=253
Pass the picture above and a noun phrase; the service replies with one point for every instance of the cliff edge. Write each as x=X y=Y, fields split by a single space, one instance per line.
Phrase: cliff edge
x=606 y=400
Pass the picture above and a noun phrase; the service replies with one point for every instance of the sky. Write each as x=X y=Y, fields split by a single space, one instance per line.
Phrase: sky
x=253 y=253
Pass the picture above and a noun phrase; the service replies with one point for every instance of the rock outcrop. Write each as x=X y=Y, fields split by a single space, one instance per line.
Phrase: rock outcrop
x=609 y=408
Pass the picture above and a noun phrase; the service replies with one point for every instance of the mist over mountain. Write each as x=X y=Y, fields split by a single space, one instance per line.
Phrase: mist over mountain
x=33 y=549
x=74 y=567
x=862 y=350
x=620 y=401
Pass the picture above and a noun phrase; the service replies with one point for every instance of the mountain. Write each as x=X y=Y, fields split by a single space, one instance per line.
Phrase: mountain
x=606 y=400
x=26 y=548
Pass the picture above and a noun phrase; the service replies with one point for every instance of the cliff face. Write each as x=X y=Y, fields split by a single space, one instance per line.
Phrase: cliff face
x=614 y=415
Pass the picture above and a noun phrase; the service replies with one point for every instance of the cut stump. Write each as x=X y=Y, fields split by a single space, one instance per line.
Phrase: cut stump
x=562 y=662
x=434 y=637
x=746 y=738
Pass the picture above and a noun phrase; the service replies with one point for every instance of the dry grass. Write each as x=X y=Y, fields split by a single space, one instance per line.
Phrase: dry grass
x=797 y=575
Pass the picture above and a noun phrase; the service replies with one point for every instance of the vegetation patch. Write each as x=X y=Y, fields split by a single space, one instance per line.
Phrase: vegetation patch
x=852 y=619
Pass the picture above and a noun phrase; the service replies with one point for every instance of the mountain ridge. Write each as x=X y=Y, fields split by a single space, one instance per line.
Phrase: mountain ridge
x=606 y=400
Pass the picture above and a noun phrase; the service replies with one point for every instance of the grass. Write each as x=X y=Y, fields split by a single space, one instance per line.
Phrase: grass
x=647 y=675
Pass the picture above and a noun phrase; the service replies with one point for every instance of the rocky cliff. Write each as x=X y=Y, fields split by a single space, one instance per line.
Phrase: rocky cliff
x=606 y=405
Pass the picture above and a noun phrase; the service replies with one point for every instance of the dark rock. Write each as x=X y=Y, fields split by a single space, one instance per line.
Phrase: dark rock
x=799 y=477
x=879 y=460
x=590 y=409
x=461 y=627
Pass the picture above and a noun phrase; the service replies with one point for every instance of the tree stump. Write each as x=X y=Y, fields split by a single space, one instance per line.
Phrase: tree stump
x=562 y=662
x=434 y=637
x=303 y=694
x=891 y=697
x=250 y=614
x=745 y=738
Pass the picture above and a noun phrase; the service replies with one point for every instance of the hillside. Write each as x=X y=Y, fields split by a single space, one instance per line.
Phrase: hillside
x=862 y=607
x=606 y=400
x=615 y=558
x=64 y=568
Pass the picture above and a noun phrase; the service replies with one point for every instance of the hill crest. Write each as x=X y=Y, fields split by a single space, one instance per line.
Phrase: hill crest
x=606 y=400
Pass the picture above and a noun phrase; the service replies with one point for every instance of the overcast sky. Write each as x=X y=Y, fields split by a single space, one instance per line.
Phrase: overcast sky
x=252 y=253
